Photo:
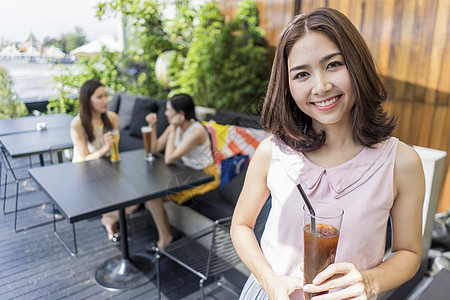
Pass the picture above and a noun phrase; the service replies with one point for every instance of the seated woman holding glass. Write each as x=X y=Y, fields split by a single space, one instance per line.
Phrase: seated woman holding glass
x=185 y=139
x=91 y=135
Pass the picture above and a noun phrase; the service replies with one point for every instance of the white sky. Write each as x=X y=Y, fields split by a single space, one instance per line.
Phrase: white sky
x=51 y=18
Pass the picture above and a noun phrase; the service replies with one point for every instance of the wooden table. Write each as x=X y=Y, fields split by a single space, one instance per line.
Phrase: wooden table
x=92 y=188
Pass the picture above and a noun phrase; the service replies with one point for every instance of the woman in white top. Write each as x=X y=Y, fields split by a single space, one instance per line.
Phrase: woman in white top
x=185 y=139
x=90 y=132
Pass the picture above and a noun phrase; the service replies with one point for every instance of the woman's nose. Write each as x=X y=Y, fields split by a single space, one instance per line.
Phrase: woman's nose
x=321 y=85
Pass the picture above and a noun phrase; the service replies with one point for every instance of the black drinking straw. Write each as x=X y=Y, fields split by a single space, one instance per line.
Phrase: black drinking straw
x=310 y=208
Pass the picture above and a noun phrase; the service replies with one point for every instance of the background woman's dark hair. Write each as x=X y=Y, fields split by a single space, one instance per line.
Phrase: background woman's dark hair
x=86 y=91
x=184 y=103
x=280 y=114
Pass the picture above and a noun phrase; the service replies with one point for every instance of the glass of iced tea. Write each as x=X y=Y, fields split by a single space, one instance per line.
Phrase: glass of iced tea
x=115 y=157
x=320 y=239
x=147 y=138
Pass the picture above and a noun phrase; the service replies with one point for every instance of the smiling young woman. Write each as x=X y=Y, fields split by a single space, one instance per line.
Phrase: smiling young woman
x=331 y=137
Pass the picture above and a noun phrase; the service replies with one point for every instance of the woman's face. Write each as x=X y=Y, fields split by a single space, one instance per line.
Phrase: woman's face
x=99 y=100
x=319 y=80
x=170 y=111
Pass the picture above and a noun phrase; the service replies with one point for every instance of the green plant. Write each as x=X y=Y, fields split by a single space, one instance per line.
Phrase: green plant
x=132 y=71
x=222 y=65
x=103 y=67
x=146 y=40
x=226 y=65
x=9 y=106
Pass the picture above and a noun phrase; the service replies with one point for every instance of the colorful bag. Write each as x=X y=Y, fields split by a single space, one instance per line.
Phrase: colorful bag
x=232 y=166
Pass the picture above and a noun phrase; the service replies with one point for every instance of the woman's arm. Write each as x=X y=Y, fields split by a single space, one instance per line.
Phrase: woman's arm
x=158 y=144
x=406 y=213
x=79 y=141
x=252 y=198
x=172 y=154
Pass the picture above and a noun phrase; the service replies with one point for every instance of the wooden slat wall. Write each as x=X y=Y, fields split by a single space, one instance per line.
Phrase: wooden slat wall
x=410 y=41
x=273 y=15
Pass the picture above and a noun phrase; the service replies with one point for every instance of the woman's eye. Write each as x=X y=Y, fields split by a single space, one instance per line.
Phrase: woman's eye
x=334 y=64
x=301 y=75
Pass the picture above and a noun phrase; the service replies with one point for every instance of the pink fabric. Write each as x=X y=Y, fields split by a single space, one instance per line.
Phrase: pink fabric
x=362 y=186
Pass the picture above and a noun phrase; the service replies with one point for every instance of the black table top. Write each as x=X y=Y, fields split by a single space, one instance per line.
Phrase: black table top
x=91 y=188
x=37 y=142
x=28 y=124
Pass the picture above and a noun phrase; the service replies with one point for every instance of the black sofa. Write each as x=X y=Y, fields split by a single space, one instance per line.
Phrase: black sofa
x=132 y=111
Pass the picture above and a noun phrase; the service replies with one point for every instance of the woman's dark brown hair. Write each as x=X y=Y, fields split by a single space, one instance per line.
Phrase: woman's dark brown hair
x=280 y=114
x=86 y=91
x=184 y=103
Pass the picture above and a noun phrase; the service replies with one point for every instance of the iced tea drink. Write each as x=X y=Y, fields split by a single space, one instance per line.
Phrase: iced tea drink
x=320 y=240
x=115 y=157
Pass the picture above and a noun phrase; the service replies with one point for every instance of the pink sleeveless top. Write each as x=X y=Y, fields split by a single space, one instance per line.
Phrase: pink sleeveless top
x=362 y=187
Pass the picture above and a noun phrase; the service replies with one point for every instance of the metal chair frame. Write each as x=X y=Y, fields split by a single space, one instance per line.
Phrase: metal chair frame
x=208 y=253
x=17 y=179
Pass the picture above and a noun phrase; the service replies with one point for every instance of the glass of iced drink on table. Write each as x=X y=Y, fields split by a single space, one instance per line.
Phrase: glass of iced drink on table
x=115 y=157
x=320 y=239
x=147 y=138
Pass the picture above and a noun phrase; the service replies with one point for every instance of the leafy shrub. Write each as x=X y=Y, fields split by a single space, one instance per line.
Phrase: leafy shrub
x=226 y=65
x=9 y=106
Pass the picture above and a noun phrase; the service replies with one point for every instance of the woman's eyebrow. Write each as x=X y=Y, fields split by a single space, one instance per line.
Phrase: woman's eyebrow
x=322 y=60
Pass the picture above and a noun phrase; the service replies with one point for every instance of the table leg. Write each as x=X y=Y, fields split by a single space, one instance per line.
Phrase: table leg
x=60 y=157
x=125 y=271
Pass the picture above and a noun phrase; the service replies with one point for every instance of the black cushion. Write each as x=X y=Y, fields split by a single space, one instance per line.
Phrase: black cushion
x=113 y=104
x=219 y=203
x=128 y=142
x=125 y=112
x=230 y=192
x=162 y=119
x=142 y=107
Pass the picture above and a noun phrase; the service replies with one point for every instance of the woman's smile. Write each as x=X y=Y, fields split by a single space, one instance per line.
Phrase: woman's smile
x=327 y=104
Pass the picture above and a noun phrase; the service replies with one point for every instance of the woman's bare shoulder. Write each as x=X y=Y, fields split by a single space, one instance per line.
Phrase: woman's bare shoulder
x=264 y=150
x=407 y=159
x=76 y=123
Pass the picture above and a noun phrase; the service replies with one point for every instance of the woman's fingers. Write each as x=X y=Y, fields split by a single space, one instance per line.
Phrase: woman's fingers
x=352 y=292
x=151 y=118
x=108 y=138
x=332 y=270
x=341 y=275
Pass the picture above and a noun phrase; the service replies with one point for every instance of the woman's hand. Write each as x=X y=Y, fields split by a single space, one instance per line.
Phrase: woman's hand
x=345 y=276
x=109 y=140
x=151 y=119
x=177 y=120
x=280 y=287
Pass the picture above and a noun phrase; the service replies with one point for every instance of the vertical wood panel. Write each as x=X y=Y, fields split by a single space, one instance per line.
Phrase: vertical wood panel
x=404 y=122
x=369 y=23
x=438 y=130
x=427 y=119
x=386 y=32
x=437 y=51
x=416 y=124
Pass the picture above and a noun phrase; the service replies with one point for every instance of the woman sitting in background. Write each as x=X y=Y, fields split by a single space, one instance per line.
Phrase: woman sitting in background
x=185 y=139
x=91 y=137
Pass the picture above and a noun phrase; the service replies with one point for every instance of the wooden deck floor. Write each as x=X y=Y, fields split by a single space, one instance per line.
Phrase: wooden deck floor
x=34 y=264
